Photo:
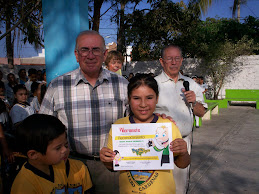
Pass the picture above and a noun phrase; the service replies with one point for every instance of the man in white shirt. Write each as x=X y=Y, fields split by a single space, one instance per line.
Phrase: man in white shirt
x=178 y=103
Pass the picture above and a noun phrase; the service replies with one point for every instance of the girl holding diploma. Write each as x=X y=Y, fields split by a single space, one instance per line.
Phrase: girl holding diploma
x=143 y=97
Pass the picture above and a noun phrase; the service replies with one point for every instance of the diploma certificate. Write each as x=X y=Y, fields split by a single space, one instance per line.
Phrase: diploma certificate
x=142 y=146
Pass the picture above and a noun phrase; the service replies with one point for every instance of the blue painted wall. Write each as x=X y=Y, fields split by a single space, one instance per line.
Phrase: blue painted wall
x=63 y=20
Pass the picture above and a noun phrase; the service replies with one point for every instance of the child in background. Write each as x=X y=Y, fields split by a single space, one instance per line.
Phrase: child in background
x=38 y=95
x=4 y=126
x=21 y=108
x=9 y=88
x=34 y=87
x=143 y=97
x=114 y=61
x=3 y=96
x=44 y=78
x=32 y=78
x=43 y=139
x=22 y=76
x=131 y=75
x=39 y=75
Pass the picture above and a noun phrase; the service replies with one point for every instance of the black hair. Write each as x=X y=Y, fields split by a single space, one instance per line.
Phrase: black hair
x=16 y=89
x=32 y=71
x=37 y=131
x=19 y=73
x=116 y=152
x=34 y=86
x=2 y=107
x=19 y=87
x=2 y=85
x=142 y=79
x=42 y=91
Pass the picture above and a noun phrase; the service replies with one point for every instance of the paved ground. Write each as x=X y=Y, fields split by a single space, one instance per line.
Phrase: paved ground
x=225 y=156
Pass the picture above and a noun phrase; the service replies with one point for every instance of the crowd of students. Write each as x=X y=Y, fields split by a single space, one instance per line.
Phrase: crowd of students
x=23 y=95
x=19 y=98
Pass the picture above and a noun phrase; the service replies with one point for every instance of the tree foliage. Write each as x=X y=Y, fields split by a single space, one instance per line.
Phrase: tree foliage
x=21 y=17
x=218 y=42
x=148 y=31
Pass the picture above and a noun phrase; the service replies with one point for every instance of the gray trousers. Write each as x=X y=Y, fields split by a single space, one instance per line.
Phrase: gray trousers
x=181 y=176
x=104 y=181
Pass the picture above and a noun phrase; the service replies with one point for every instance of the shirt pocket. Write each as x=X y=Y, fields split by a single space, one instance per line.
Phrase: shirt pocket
x=114 y=109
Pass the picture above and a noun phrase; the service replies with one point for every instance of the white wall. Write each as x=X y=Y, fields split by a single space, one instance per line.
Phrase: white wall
x=246 y=78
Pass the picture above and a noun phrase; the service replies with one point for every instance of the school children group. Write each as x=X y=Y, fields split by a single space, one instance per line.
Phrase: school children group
x=22 y=96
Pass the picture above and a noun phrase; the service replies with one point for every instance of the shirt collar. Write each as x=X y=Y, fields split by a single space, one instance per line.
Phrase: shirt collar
x=166 y=78
x=79 y=77
x=154 y=120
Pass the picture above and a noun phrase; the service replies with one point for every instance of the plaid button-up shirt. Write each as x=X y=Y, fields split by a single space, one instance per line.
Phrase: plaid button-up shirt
x=87 y=111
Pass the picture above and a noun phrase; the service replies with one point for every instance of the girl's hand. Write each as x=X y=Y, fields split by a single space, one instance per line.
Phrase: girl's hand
x=178 y=147
x=106 y=155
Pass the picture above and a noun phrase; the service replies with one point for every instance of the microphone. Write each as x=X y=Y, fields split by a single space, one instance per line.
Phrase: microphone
x=186 y=85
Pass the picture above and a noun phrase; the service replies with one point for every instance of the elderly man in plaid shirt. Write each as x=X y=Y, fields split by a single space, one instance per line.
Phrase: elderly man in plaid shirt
x=88 y=100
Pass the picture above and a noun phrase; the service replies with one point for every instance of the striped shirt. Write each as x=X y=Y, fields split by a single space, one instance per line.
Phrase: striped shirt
x=87 y=111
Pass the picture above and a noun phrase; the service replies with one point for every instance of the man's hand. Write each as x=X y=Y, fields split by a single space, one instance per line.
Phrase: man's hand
x=166 y=117
x=189 y=95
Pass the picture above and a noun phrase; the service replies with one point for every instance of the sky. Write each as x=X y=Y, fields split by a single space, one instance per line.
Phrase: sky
x=220 y=8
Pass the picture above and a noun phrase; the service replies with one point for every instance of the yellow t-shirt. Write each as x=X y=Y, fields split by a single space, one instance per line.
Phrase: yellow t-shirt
x=78 y=176
x=31 y=180
x=152 y=181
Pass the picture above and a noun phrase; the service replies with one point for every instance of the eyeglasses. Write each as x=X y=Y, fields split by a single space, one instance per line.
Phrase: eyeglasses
x=170 y=60
x=84 y=51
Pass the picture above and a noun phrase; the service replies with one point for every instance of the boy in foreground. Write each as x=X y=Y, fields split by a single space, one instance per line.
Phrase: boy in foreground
x=43 y=139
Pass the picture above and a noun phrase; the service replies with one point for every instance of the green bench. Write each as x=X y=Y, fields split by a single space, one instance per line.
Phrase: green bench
x=213 y=108
x=241 y=95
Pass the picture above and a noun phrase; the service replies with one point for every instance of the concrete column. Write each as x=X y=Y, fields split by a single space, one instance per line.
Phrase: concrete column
x=63 y=20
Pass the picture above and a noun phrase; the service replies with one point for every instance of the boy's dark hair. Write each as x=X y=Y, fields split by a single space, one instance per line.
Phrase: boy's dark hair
x=37 y=131
x=34 y=86
x=15 y=90
x=32 y=71
x=2 y=85
x=2 y=107
x=20 y=71
x=43 y=90
x=19 y=87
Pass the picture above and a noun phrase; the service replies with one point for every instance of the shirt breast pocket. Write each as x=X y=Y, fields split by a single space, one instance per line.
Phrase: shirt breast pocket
x=113 y=110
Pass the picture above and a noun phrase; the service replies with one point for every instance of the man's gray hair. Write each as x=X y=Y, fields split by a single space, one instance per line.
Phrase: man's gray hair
x=89 y=32
x=171 y=46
